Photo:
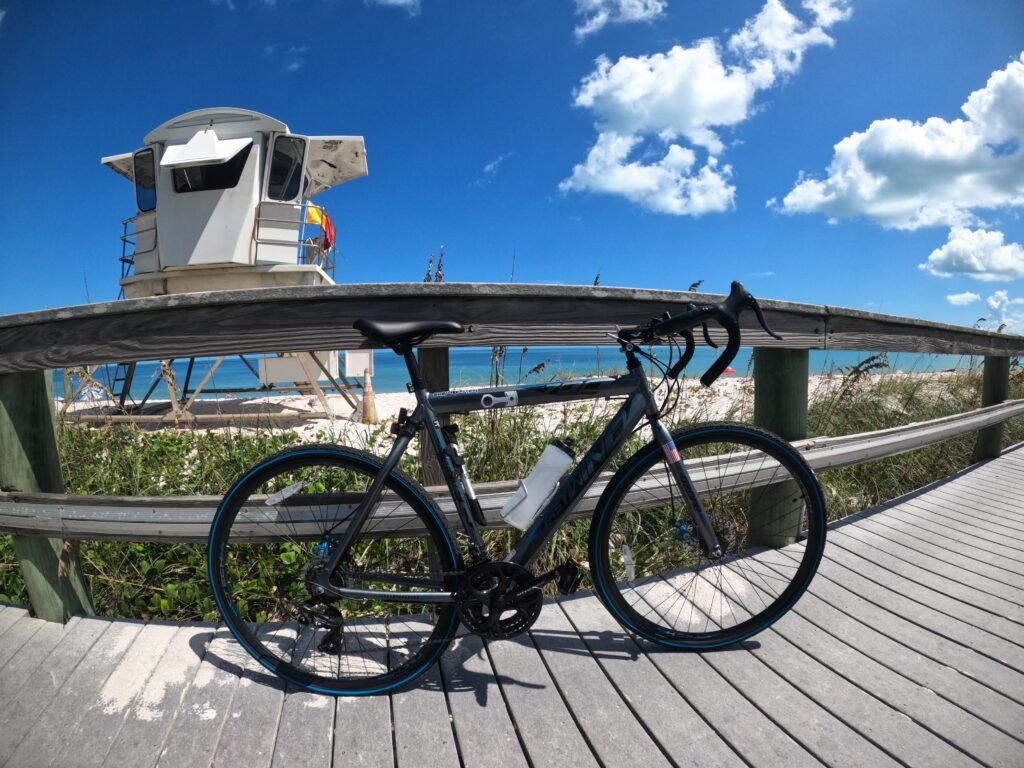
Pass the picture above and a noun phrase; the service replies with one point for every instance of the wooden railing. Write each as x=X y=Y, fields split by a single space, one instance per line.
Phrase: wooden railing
x=309 y=318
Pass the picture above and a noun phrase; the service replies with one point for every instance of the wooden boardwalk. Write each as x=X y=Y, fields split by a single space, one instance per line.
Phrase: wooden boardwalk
x=908 y=650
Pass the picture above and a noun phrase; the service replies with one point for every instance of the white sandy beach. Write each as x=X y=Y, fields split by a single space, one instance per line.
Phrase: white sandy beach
x=730 y=398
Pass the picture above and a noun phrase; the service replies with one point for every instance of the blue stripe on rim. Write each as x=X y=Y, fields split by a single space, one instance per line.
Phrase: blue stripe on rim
x=610 y=604
x=253 y=653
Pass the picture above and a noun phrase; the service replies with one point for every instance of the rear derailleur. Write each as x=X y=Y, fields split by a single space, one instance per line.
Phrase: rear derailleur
x=316 y=613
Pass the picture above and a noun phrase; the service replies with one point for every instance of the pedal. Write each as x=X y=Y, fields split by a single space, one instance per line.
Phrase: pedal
x=569 y=577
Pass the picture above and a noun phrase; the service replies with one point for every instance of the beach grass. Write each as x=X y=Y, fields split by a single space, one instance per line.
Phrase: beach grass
x=168 y=581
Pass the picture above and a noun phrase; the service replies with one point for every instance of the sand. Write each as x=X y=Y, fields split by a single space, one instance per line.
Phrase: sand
x=730 y=398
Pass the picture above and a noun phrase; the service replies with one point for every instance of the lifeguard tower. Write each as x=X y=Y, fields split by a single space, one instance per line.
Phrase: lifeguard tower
x=224 y=199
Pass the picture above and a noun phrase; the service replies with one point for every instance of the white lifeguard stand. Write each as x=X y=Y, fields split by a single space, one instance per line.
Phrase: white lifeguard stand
x=224 y=199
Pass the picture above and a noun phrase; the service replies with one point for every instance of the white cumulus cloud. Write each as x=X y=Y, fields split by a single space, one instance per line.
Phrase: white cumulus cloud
x=906 y=175
x=648 y=109
x=596 y=14
x=1000 y=303
x=3 y=12
x=981 y=254
x=962 y=299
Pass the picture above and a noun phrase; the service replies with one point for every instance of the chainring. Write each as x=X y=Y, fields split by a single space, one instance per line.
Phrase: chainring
x=497 y=600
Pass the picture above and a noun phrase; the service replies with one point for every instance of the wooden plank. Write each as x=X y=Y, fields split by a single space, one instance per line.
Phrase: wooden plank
x=23 y=709
x=820 y=710
x=886 y=698
x=999 y=503
x=87 y=742
x=14 y=638
x=546 y=728
x=934 y=621
x=306 y=728
x=989 y=552
x=613 y=730
x=483 y=727
x=937 y=511
x=857 y=625
x=362 y=732
x=889 y=546
x=422 y=726
x=931 y=596
x=47 y=735
x=978 y=508
x=141 y=738
x=250 y=723
x=995 y=577
x=9 y=616
x=21 y=666
x=363 y=724
x=980 y=560
x=665 y=712
x=893 y=623
x=759 y=740
x=200 y=716
x=934 y=576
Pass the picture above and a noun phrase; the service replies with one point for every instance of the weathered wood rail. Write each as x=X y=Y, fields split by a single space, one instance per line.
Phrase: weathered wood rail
x=320 y=317
x=188 y=518
x=310 y=318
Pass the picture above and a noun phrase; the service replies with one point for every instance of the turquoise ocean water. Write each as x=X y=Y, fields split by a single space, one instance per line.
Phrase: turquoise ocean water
x=471 y=366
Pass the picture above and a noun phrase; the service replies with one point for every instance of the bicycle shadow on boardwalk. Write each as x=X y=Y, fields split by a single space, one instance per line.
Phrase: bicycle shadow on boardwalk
x=473 y=664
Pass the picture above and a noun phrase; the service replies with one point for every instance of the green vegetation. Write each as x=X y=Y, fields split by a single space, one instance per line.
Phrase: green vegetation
x=169 y=580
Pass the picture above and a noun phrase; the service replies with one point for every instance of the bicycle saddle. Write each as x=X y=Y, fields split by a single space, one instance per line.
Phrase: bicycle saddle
x=393 y=335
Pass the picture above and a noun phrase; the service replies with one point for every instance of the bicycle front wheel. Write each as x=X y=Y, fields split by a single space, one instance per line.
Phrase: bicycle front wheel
x=651 y=567
x=281 y=521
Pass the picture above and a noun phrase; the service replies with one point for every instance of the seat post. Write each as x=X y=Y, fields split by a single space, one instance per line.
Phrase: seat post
x=414 y=368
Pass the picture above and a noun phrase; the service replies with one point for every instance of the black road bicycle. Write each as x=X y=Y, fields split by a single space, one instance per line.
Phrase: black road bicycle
x=339 y=573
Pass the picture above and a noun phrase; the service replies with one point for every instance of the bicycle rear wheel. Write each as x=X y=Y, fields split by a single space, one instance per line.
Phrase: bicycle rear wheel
x=281 y=521
x=653 y=571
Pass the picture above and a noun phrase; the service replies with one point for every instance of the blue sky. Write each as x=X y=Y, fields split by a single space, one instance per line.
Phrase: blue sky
x=657 y=142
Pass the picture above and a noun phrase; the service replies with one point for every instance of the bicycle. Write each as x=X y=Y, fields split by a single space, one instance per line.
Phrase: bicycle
x=339 y=573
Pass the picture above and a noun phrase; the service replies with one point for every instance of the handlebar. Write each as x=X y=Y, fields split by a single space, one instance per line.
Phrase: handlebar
x=726 y=313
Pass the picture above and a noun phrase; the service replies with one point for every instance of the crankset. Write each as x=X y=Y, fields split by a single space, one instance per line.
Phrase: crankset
x=498 y=600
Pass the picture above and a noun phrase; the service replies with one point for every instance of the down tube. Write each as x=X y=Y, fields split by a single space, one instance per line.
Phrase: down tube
x=572 y=489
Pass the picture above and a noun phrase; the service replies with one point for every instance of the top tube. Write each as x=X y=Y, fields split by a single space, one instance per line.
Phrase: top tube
x=488 y=398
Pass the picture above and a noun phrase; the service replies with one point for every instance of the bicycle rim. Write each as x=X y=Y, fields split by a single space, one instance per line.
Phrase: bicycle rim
x=652 y=569
x=281 y=521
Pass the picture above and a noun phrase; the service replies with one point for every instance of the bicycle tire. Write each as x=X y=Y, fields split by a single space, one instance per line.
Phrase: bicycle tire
x=645 y=603
x=395 y=648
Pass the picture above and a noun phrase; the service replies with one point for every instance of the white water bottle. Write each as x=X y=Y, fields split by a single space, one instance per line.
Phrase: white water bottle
x=533 y=492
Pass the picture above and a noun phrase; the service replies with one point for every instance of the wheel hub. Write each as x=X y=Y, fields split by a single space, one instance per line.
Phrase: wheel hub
x=498 y=600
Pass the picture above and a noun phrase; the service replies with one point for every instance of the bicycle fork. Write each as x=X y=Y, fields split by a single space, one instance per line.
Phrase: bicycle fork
x=686 y=488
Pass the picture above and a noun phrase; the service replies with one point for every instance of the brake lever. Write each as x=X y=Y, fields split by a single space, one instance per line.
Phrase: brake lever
x=707 y=336
x=760 y=318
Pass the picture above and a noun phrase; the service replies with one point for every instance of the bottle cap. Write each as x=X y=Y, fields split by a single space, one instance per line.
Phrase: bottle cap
x=568 y=445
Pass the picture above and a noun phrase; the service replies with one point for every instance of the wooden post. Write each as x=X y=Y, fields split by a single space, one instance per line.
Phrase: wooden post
x=780 y=406
x=995 y=386
x=31 y=463
x=434 y=368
